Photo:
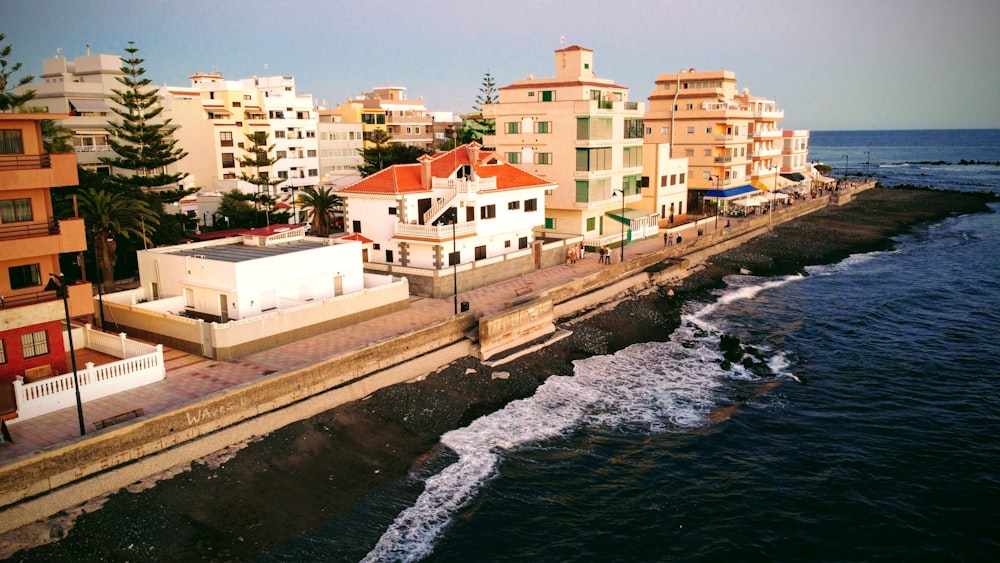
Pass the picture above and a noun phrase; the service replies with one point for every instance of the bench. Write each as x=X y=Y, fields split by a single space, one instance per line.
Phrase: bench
x=523 y=290
x=122 y=417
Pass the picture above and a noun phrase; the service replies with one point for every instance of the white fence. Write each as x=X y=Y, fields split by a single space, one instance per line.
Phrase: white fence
x=141 y=364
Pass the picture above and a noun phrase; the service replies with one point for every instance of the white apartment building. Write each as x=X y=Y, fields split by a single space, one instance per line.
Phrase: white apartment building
x=340 y=146
x=455 y=207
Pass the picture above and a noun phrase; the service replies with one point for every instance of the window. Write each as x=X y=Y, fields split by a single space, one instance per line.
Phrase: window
x=631 y=157
x=688 y=152
x=589 y=160
x=663 y=180
x=708 y=130
x=388 y=256
x=355 y=226
x=593 y=128
x=591 y=223
x=28 y=275
x=228 y=160
x=689 y=106
x=392 y=211
x=226 y=138
x=543 y=127
x=631 y=184
x=15 y=210
x=543 y=158
x=664 y=130
x=550 y=223
x=237 y=104
x=690 y=130
x=454 y=258
x=488 y=211
x=283 y=174
x=481 y=252
x=548 y=95
x=592 y=190
x=279 y=135
x=513 y=127
x=633 y=128
x=513 y=205
x=506 y=244
x=531 y=205
x=281 y=154
x=708 y=152
x=10 y=141
x=513 y=157
x=522 y=242
x=311 y=153
x=673 y=179
x=35 y=344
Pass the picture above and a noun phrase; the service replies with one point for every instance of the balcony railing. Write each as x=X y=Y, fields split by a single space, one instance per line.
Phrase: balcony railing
x=9 y=302
x=723 y=159
x=23 y=230
x=24 y=161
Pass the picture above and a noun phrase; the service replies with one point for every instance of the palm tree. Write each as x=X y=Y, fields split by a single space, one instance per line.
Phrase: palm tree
x=109 y=214
x=320 y=205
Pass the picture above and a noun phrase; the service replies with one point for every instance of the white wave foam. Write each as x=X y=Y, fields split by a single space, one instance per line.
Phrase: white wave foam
x=652 y=386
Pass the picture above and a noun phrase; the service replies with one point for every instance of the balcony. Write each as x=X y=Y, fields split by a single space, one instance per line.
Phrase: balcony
x=434 y=233
x=20 y=171
x=36 y=307
x=25 y=240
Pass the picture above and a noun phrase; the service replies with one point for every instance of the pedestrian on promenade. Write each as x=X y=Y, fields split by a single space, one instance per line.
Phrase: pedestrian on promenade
x=582 y=252
x=666 y=239
x=679 y=239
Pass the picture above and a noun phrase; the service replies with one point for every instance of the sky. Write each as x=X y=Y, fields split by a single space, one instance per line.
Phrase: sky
x=844 y=65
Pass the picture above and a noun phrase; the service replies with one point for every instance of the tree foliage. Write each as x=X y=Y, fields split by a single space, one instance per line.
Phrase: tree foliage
x=238 y=209
x=8 y=99
x=384 y=154
x=142 y=144
x=322 y=207
x=487 y=95
x=258 y=157
x=110 y=215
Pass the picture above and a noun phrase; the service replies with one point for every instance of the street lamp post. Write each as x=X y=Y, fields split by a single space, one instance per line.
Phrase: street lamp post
x=454 y=259
x=58 y=284
x=622 y=221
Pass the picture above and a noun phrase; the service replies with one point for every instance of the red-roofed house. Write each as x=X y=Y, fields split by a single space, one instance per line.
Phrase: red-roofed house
x=407 y=211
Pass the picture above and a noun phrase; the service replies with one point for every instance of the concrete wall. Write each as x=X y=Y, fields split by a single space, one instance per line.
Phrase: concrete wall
x=88 y=455
x=225 y=342
x=513 y=327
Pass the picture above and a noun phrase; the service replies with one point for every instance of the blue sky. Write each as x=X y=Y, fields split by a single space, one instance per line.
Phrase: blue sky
x=851 y=64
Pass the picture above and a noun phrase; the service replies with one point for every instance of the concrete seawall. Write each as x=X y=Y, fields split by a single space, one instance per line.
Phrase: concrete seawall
x=63 y=476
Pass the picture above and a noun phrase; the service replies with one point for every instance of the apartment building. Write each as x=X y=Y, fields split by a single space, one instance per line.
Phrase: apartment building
x=583 y=134
x=340 y=146
x=367 y=112
x=732 y=139
x=459 y=207
x=31 y=240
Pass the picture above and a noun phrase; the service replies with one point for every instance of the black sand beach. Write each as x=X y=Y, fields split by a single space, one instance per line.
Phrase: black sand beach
x=313 y=472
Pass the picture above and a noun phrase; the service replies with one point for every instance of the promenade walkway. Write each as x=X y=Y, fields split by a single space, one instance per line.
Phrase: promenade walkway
x=191 y=377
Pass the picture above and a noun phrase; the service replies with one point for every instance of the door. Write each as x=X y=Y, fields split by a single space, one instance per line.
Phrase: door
x=224 y=308
x=338 y=285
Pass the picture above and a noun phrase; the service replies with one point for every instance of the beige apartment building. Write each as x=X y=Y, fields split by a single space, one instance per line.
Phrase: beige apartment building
x=732 y=139
x=583 y=134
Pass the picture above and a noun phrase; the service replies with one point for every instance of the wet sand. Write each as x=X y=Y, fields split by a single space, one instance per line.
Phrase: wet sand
x=316 y=471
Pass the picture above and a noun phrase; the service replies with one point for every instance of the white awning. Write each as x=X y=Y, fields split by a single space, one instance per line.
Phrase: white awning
x=89 y=106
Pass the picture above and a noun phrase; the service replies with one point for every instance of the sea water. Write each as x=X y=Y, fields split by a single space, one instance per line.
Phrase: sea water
x=870 y=430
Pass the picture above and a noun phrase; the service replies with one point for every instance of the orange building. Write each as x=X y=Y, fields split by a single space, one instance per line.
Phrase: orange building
x=31 y=240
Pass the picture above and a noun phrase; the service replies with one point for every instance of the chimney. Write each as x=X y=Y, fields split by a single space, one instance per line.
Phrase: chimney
x=425 y=171
x=474 y=155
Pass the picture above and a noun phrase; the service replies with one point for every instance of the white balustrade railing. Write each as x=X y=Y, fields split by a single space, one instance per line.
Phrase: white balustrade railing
x=55 y=393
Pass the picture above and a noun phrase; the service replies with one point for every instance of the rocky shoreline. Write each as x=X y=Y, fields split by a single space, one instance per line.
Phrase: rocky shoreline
x=318 y=470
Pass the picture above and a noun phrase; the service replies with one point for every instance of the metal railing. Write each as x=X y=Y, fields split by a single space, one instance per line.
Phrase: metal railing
x=24 y=161
x=24 y=230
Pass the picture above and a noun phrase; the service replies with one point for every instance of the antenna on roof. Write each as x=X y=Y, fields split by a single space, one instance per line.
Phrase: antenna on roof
x=562 y=40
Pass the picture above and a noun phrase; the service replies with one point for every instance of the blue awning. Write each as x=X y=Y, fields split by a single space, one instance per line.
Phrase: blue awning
x=730 y=193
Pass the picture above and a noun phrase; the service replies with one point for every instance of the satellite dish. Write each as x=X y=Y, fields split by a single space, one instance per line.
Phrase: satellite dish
x=745 y=91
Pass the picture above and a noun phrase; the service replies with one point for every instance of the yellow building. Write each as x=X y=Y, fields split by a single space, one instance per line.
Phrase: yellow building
x=583 y=134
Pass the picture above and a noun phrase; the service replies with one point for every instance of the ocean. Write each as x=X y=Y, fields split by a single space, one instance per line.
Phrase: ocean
x=870 y=432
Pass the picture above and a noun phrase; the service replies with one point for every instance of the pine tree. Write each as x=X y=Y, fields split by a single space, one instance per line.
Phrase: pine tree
x=10 y=101
x=259 y=156
x=142 y=144
x=487 y=95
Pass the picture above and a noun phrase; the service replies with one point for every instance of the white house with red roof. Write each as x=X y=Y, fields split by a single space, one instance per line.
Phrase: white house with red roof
x=454 y=210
